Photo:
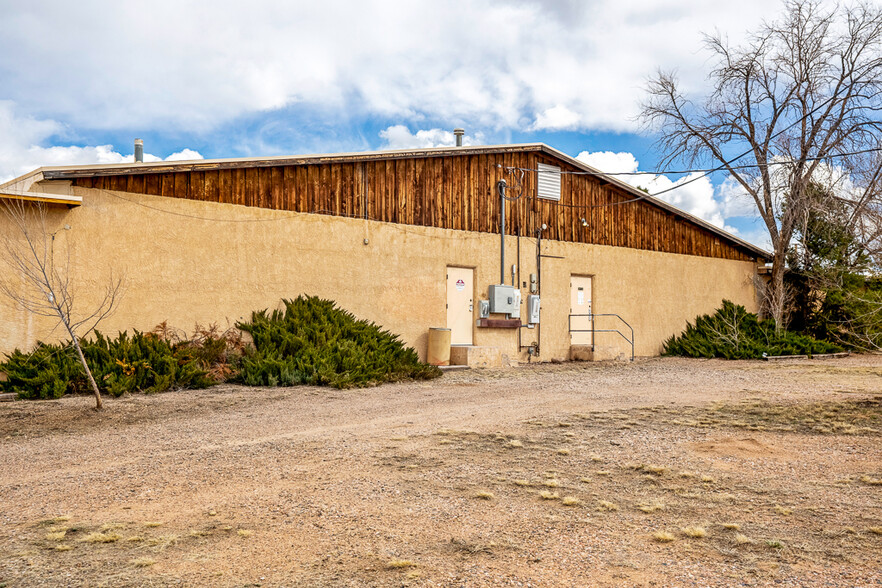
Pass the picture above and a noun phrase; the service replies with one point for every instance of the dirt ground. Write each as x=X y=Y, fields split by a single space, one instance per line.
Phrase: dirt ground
x=665 y=472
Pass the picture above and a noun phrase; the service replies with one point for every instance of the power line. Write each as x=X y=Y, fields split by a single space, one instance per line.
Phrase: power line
x=697 y=170
x=722 y=166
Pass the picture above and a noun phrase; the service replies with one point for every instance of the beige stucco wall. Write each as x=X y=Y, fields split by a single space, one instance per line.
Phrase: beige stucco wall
x=195 y=262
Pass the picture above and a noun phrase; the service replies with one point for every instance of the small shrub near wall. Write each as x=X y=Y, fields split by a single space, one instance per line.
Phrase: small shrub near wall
x=311 y=341
x=141 y=362
x=733 y=333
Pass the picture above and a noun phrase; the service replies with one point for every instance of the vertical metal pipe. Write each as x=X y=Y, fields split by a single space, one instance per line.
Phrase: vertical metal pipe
x=139 y=151
x=501 y=186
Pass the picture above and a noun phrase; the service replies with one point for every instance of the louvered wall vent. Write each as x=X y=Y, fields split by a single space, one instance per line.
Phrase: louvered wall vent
x=549 y=182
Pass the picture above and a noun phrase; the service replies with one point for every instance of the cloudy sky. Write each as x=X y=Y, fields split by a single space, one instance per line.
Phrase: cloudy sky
x=214 y=79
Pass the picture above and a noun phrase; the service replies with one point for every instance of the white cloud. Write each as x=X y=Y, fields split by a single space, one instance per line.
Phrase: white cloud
x=556 y=118
x=400 y=137
x=183 y=155
x=495 y=64
x=693 y=193
x=609 y=162
x=735 y=200
x=21 y=151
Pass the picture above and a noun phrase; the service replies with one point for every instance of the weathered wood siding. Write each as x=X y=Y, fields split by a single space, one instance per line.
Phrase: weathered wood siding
x=450 y=191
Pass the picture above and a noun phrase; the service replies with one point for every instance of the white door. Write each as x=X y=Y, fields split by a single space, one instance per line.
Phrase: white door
x=580 y=304
x=460 y=304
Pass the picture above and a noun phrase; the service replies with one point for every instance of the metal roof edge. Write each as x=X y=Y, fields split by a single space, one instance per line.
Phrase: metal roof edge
x=74 y=171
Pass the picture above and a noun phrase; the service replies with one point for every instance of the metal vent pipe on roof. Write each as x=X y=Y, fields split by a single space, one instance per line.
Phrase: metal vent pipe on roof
x=139 y=151
x=459 y=133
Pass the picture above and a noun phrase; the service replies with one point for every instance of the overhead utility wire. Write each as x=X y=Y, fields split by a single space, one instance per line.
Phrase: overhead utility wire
x=722 y=166
x=698 y=170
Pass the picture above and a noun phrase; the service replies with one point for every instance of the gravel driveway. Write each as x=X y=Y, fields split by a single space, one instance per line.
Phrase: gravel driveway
x=658 y=473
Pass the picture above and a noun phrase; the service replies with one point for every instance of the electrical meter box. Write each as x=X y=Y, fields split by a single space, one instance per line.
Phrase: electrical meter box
x=504 y=299
x=532 y=309
x=483 y=309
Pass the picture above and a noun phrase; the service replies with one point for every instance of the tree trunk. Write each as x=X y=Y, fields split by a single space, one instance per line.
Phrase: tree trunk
x=775 y=294
x=98 y=404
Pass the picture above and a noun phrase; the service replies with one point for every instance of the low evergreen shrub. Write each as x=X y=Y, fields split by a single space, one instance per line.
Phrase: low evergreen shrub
x=733 y=333
x=142 y=362
x=311 y=341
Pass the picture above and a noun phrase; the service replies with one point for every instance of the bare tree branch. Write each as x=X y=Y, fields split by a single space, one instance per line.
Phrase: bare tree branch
x=801 y=90
x=38 y=285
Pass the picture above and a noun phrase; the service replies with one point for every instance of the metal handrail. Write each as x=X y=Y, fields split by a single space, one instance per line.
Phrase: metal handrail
x=593 y=330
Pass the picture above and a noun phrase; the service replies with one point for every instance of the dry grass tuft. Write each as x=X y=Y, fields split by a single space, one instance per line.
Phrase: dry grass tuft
x=548 y=495
x=63 y=547
x=732 y=526
x=875 y=530
x=143 y=562
x=111 y=527
x=160 y=543
x=563 y=451
x=135 y=539
x=707 y=480
x=695 y=532
x=245 y=533
x=61 y=519
x=399 y=564
x=522 y=483
x=57 y=536
x=607 y=506
x=552 y=483
x=595 y=457
x=153 y=524
x=871 y=481
x=654 y=469
x=650 y=507
x=399 y=438
x=515 y=443
x=742 y=539
x=571 y=501
x=101 y=538
x=602 y=473
x=782 y=510
x=687 y=474
x=484 y=495
x=663 y=537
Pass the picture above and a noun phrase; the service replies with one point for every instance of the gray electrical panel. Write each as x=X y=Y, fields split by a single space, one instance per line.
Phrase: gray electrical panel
x=504 y=299
x=532 y=309
x=516 y=313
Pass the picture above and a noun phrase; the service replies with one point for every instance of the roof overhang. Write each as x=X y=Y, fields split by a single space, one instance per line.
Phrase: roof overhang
x=42 y=197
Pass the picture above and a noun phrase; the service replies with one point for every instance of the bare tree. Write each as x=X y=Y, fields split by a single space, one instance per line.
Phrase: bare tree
x=801 y=95
x=40 y=284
